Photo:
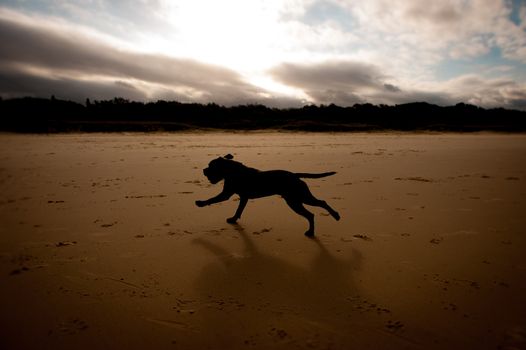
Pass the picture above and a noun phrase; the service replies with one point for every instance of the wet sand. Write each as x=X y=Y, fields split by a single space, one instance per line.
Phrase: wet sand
x=102 y=246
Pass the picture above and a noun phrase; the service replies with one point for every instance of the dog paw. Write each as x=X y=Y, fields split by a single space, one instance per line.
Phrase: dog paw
x=200 y=203
x=309 y=234
x=231 y=220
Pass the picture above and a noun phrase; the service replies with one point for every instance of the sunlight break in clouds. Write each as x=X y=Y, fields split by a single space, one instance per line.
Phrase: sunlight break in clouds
x=280 y=53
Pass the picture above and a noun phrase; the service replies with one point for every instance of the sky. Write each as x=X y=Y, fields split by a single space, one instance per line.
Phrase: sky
x=281 y=53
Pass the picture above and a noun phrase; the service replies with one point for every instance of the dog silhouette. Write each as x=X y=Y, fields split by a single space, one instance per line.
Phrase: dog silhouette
x=250 y=183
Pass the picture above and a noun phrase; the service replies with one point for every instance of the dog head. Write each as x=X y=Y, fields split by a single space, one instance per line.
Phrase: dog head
x=216 y=170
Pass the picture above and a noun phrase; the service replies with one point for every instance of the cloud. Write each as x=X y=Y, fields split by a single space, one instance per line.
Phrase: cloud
x=15 y=83
x=123 y=19
x=498 y=92
x=58 y=57
x=349 y=82
x=330 y=74
x=460 y=29
x=392 y=88
x=473 y=47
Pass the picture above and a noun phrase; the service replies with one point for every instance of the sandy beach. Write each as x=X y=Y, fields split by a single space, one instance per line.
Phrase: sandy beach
x=102 y=246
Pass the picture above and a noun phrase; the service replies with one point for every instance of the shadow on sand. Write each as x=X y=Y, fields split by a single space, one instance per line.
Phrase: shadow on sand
x=258 y=299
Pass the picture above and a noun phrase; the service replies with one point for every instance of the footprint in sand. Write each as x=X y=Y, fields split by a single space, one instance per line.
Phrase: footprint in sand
x=436 y=240
x=74 y=326
x=65 y=243
x=265 y=230
x=19 y=271
x=394 y=326
x=169 y=323
x=108 y=225
x=414 y=178
x=363 y=237
x=278 y=333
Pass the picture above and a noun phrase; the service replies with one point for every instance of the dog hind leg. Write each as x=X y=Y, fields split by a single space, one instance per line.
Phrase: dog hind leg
x=300 y=209
x=311 y=200
x=242 y=203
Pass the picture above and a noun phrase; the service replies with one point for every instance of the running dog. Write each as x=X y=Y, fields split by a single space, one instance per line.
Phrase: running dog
x=250 y=183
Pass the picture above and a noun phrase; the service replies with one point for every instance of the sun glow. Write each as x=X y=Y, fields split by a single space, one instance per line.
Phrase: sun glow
x=248 y=37
x=241 y=35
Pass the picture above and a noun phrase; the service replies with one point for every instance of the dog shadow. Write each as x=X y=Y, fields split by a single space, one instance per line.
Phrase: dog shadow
x=260 y=291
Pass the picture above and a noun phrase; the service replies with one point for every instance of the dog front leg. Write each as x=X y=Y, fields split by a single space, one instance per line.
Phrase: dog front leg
x=242 y=203
x=223 y=196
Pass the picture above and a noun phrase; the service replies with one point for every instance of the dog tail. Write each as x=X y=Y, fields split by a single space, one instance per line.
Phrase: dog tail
x=314 y=176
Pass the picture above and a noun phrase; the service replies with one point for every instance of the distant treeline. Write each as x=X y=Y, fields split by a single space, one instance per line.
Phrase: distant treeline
x=37 y=115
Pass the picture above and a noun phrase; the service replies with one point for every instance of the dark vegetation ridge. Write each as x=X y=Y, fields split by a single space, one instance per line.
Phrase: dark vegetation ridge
x=37 y=115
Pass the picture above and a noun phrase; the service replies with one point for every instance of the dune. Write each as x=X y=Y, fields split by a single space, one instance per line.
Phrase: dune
x=102 y=246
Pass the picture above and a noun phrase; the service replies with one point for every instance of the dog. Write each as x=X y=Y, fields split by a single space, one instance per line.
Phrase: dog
x=250 y=183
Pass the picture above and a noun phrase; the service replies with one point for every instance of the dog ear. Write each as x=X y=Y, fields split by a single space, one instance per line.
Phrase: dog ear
x=229 y=156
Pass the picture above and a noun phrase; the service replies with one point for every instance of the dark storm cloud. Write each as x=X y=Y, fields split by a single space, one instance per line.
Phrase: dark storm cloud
x=332 y=74
x=330 y=82
x=68 y=56
x=349 y=82
x=15 y=83
x=392 y=88
x=338 y=97
x=517 y=98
